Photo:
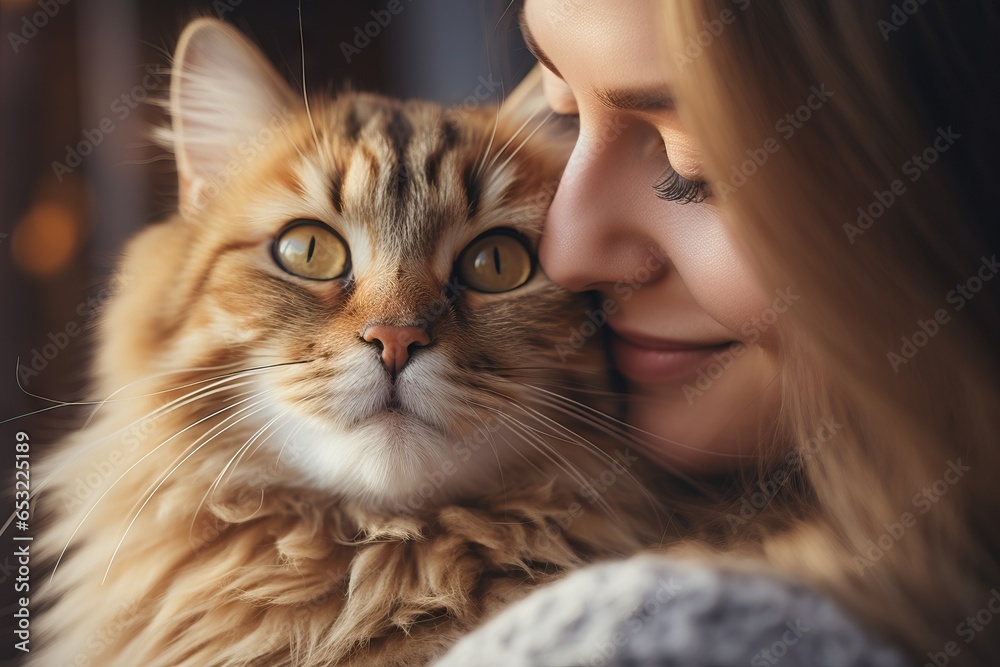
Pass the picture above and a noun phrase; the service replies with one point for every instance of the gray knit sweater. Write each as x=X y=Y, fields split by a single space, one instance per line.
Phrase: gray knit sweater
x=656 y=612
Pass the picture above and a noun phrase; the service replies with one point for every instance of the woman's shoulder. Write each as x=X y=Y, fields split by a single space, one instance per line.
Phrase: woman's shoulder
x=651 y=610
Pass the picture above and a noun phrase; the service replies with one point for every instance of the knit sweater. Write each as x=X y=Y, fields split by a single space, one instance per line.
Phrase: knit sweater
x=654 y=612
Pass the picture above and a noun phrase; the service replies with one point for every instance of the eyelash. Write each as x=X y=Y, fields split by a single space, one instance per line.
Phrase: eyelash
x=569 y=120
x=675 y=187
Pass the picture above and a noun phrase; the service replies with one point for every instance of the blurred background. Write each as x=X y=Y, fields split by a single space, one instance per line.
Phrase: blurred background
x=79 y=174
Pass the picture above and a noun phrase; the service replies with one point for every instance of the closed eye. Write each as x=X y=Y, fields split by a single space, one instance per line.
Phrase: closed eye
x=676 y=188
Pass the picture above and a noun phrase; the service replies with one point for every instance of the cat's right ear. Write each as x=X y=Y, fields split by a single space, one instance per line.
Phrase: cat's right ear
x=223 y=93
x=527 y=104
x=527 y=100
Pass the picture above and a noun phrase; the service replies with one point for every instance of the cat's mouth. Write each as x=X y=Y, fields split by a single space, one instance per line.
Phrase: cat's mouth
x=394 y=412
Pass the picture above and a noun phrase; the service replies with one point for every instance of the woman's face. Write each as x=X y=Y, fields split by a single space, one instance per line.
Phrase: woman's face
x=683 y=310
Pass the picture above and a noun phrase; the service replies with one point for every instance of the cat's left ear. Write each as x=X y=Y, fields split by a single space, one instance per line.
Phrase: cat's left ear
x=223 y=94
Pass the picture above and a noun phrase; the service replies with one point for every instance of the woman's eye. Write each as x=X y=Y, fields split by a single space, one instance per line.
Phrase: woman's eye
x=498 y=261
x=675 y=187
x=310 y=249
x=567 y=120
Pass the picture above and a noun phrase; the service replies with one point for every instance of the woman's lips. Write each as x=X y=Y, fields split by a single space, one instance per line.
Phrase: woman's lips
x=655 y=361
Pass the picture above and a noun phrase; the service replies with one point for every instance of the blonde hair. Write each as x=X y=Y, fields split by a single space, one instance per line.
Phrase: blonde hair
x=871 y=200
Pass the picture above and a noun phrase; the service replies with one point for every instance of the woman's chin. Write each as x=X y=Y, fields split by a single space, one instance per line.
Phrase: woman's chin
x=711 y=426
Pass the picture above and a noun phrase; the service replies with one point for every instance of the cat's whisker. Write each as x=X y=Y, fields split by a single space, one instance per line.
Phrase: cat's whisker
x=120 y=477
x=287 y=412
x=218 y=480
x=110 y=399
x=305 y=91
x=70 y=458
x=527 y=428
x=288 y=135
x=221 y=376
x=110 y=396
x=626 y=425
x=593 y=423
x=513 y=137
x=571 y=436
x=220 y=384
x=571 y=388
x=525 y=141
x=163 y=481
x=489 y=438
x=481 y=162
x=492 y=409
x=213 y=429
x=533 y=437
x=215 y=483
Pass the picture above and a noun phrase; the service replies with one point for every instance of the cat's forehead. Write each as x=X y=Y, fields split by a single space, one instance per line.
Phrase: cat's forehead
x=411 y=174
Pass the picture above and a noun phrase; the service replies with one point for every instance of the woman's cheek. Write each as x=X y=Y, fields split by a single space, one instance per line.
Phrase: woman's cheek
x=715 y=272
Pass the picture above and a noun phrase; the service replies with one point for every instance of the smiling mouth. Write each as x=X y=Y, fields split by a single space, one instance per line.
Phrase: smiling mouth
x=651 y=361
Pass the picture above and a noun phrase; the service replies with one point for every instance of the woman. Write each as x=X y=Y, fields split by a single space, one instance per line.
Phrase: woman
x=824 y=324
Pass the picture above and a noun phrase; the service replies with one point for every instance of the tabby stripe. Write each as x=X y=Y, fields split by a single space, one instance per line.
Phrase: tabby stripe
x=472 y=189
x=400 y=132
x=352 y=127
x=336 y=191
x=432 y=166
x=195 y=294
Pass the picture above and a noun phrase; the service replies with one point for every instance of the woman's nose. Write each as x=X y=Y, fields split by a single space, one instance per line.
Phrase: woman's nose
x=593 y=233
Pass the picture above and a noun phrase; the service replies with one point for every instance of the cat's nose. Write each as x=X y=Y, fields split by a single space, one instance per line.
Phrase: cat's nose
x=396 y=344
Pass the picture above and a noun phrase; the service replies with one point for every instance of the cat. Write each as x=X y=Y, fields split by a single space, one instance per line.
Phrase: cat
x=342 y=422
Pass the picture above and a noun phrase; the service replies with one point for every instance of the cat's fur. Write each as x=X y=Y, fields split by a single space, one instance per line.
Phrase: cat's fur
x=217 y=515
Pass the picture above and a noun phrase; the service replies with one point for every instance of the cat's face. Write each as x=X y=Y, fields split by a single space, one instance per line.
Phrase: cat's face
x=377 y=262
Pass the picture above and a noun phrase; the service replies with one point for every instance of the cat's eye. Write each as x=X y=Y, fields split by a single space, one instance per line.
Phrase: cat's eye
x=310 y=249
x=497 y=261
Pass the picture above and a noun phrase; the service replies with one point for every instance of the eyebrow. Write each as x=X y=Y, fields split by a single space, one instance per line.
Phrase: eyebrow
x=637 y=99
x=630 y=99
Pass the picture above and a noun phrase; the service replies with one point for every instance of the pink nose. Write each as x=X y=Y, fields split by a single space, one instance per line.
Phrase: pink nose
x=396 y=343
